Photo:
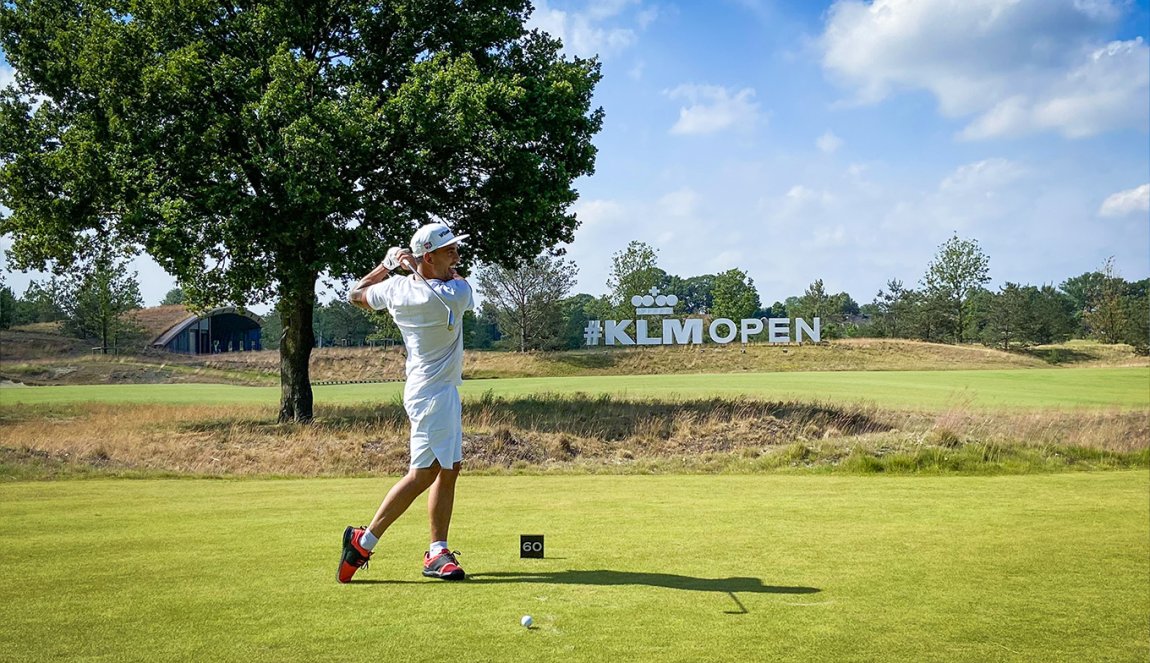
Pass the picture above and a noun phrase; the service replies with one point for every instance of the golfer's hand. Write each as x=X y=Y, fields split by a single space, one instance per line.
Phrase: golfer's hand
x=407 y=260
x=397 y=257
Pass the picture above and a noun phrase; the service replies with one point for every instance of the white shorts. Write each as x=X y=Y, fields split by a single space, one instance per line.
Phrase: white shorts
x=436 y=428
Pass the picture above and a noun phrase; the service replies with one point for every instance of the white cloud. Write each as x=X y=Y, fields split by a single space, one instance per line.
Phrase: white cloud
x=982 y=176
x=791 y=218
x=681 y=203
x=1107 y=91
x=799 y=193
x=828 y=237
x=647 y=17
x=596 y=212
x=602 y=9
x=798 y=196
x=1013 y=66
x=602 y=28
x=829 y=143
x=713 y=109
x=725 y=260
x=1126 y=202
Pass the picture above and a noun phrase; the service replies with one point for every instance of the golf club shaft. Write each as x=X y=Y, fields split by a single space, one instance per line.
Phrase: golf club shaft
x=450 y=313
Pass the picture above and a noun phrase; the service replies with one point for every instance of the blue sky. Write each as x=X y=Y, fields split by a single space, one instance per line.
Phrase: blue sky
x=847 y=140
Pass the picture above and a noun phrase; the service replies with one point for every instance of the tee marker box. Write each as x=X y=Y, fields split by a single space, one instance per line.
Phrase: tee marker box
x=531 y=546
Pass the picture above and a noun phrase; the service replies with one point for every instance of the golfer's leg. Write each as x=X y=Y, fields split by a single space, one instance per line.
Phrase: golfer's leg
x=440 y=502
x=402 y=495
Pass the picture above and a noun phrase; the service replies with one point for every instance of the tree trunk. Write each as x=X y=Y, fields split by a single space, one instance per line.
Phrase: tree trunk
x=295 y=307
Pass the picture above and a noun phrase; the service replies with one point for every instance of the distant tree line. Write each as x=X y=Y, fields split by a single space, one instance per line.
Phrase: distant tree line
x=529 y=308
x=92 y=302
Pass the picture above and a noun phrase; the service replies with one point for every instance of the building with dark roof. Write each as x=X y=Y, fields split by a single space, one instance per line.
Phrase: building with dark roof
x=174 y=328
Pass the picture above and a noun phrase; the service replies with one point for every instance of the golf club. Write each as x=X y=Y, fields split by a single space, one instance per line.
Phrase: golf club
x=415 y=270
x=450 y=313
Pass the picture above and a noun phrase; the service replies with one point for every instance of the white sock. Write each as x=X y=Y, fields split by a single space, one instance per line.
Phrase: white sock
x=436 y=546
x=368 y=540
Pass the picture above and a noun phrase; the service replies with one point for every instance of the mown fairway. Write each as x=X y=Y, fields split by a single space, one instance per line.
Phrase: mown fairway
x=1021 y=568
x=1030 y=388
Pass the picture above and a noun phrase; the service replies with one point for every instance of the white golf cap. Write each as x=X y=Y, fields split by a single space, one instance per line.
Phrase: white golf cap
x=433 y=236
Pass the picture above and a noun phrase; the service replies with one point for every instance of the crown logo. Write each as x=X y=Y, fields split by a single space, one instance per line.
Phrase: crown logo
x=654 y=303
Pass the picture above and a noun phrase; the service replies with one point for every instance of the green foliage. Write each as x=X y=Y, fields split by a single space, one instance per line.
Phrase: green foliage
x=7 y=305
x=933 y=318
x=1109 y=308
x=734 y=294
x=893 y=310
x=1084 y=291
x=173 y=296
x=480 y=331
x=38 y=304
x=1054 y=315
x=634 y=271
x=250 y=150
x=696 y=294
x=1011 y=317
x=1106 y=318
x=958 y=269
x=1136 y=311
x=577 y=310
x=526 y=300
x=97 y=298
x=978 y=308
x=830 y=309
x=271 y=330
x=339 y=323
x=815 y=303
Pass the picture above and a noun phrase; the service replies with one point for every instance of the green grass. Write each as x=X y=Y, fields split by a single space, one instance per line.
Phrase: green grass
x=992 y=389
x=1020 y=568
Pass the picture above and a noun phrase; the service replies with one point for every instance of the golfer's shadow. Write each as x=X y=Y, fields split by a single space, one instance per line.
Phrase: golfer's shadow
x=729 y=586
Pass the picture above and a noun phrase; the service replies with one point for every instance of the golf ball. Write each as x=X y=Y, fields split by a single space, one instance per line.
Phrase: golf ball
x=527 y=621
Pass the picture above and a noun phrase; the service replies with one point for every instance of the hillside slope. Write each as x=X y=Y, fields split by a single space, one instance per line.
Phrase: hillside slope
x=43 y=359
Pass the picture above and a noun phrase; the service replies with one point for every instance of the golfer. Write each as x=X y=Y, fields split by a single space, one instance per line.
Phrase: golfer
x=426 y=306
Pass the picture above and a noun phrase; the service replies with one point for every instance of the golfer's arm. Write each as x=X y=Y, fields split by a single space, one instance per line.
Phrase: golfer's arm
x=358 y=294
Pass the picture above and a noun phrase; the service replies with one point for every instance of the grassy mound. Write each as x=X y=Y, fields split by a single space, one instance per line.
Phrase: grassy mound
x=40 y=360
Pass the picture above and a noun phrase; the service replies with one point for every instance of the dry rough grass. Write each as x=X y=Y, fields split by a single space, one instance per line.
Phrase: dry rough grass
x=545 y=434
x=1116 y=430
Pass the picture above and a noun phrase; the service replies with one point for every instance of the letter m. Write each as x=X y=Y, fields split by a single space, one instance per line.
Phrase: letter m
x=681 y=332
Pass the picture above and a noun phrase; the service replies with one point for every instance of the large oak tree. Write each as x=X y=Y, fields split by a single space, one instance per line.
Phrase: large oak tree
x=251 y=147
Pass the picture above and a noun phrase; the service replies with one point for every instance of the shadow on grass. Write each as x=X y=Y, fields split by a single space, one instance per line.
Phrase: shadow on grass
x=604 y=417
x=604 y=578
x=668 y=580
x=584 y=359
x=1057 y=356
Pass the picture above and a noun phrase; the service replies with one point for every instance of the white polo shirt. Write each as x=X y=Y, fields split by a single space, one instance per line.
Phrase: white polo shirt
x=434 y=354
